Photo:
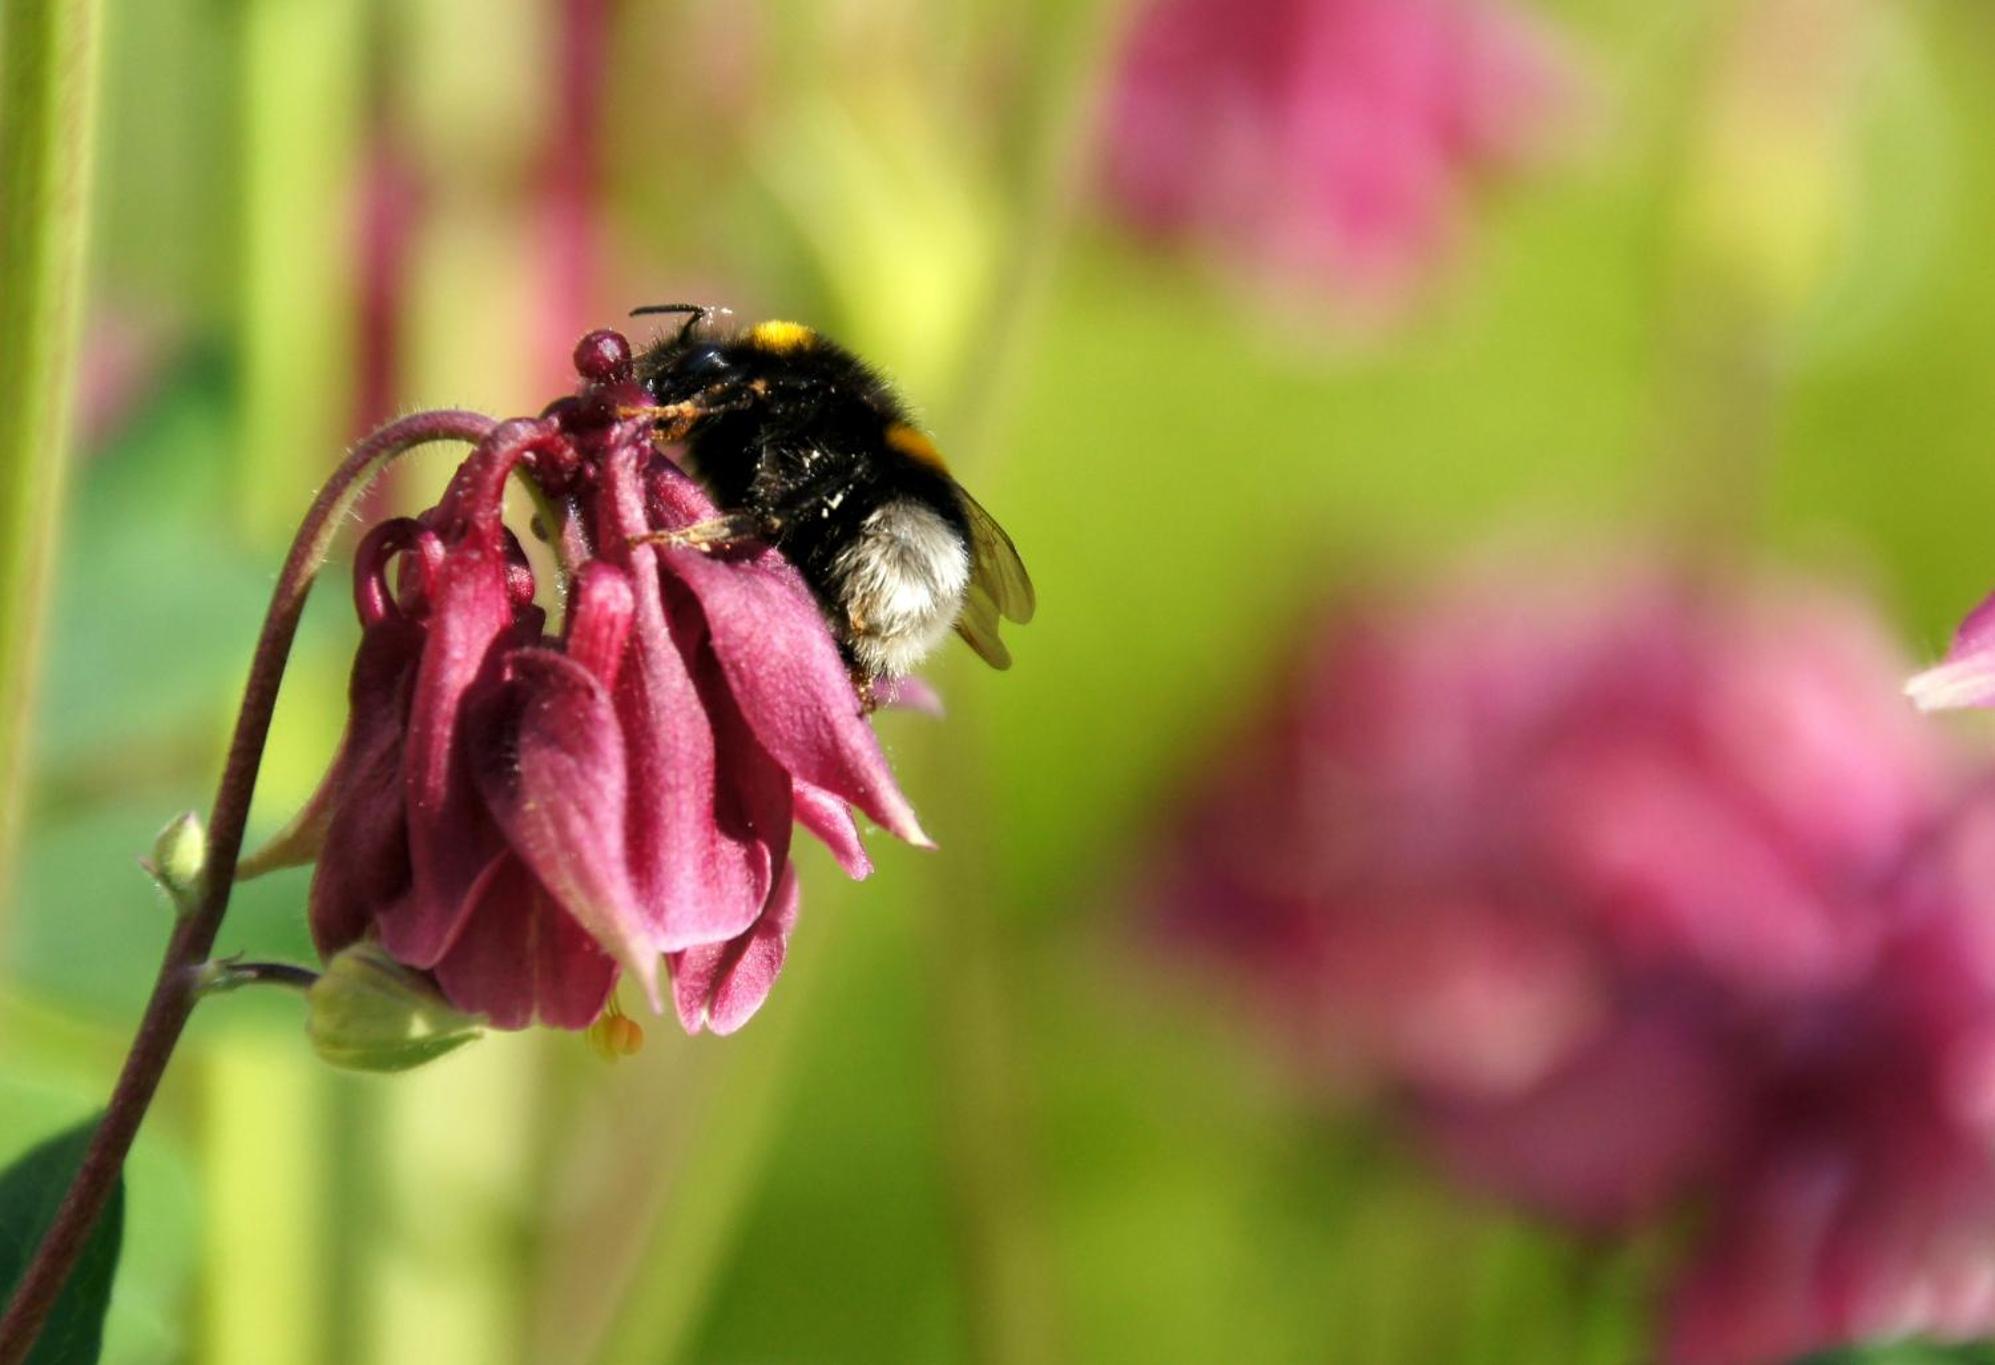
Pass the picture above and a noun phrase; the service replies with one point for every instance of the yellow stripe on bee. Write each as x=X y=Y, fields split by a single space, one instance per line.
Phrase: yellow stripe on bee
x=915 y=445
x=780 y=337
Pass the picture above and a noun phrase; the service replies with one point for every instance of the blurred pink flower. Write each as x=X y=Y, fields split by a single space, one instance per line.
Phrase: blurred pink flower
x=1966 y=676
x=1330 y=142
x=524 y=817
x=1630 y=895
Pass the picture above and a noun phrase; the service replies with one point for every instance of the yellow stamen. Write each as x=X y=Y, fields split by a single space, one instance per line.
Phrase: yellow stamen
x=615 y=1034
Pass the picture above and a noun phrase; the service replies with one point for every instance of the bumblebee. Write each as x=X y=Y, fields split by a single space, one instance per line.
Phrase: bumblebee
x=804 y=446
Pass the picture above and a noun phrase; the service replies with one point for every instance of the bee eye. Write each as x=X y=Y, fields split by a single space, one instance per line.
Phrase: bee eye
x=704 y=361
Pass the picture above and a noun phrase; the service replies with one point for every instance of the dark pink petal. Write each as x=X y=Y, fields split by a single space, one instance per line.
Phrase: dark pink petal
x=719 y=987
x=484 y=970
x=1795 y=715
x=784 y=670
x=1466 y=998
x=1629 y=1125
x=573 y=976
x=754 y=805
x=830 y=819
x=1868 y=1221
x=907 y=694
x=780 y=660
x=368 y=874
x=600 y=610
x=549 y=761
x=517 y=956
x=700 y=883
x=673 y=498
x=1966 y=677
x=1749 y=1295
x=1326 y=142
x=1680 y=878
x=451 y=840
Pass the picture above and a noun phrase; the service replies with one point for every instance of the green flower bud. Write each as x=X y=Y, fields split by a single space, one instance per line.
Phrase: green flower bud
x=179 y=860
x=370 y=1013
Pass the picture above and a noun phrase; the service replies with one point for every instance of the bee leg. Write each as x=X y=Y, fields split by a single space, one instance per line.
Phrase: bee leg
x=669 y=422
x=672 y=422
x=715 y=533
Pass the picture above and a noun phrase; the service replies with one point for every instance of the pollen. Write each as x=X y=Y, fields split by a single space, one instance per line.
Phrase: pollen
x=914 y=444
x=781 y=337
x=615 y=1034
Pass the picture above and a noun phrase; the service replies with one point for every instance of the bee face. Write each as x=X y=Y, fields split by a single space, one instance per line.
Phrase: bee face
x=799 y=439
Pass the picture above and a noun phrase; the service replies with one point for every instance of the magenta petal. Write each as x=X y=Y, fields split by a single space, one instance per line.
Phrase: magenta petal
x=550 y=763
x=719 y=987
x=1681 y=878
x=754 y=805
x=699 y=883
x=573 y=976
x=482 y=971
x=784 y=670
x=1628 y=1126
x=907 y=694
x=362 y=794
x=450 y=839
x=1966 y=677
x=1749 y=1293
x=830 y=819
x=518 y=956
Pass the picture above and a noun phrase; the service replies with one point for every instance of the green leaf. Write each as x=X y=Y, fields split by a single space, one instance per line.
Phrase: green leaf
x=30 y=1190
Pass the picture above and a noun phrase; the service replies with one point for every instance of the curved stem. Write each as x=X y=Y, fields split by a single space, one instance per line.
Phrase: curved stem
x=174 y=993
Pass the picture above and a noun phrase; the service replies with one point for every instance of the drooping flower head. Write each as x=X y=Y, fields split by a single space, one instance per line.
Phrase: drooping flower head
x=525 y=813
x=1329 y=143
x=1632 y=899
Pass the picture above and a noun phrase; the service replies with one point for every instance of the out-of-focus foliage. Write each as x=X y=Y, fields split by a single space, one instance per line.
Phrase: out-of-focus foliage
x=971 y=1115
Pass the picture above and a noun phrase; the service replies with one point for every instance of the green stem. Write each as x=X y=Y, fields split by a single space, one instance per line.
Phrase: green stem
x=48 y=71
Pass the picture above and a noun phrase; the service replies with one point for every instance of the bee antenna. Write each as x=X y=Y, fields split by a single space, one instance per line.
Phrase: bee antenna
x=696 y=313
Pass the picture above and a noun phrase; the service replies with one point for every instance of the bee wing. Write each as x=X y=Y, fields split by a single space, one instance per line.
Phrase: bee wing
x=995 y=566
x=978 y=625
x=998 y=587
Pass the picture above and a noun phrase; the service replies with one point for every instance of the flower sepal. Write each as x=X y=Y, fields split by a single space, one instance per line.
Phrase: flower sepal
x=370 y=1013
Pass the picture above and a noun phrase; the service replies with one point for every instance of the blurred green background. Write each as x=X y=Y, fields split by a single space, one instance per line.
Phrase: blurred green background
x=971 y=1124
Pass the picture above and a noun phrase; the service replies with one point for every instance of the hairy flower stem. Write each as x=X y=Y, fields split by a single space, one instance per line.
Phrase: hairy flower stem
x=176 y=990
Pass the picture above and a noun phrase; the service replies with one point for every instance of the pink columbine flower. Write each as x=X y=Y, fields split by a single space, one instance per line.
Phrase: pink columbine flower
x=1325 y=141
x=1633 y=899
x=1966 y=676
x=525 y=816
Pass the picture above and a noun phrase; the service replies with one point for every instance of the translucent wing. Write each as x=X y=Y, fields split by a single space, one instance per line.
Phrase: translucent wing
x=999 y=586
x=994 y=564
x=978 y=624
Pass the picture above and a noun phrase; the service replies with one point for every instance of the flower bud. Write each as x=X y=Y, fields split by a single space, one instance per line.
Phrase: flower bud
x=179 y=857
x=370 y=1013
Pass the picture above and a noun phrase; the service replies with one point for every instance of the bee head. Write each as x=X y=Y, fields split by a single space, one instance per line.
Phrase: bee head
x=698 y=361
